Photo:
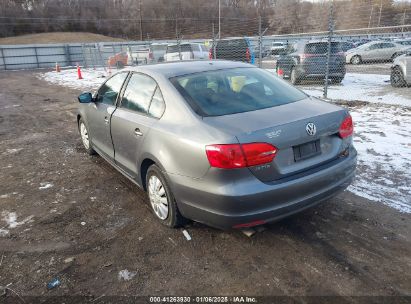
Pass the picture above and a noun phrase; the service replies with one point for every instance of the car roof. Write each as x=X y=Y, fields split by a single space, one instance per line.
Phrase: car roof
x=178 y=68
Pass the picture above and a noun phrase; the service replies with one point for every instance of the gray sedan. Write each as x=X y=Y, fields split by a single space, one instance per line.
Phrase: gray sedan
x=219 y=142
x=374 y=51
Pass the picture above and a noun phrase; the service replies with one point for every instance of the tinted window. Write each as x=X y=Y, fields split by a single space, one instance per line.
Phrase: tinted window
x=109 y=90
x=157 y=105
x=237 y=43
x=138 y=93
x=175 y=48
x=375 y=46
x=387 y=45
x=232 y=91
x=321 y=47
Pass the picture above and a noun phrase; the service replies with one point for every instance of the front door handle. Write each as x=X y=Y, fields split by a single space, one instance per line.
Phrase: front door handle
x=106 y=119
x=137 y=132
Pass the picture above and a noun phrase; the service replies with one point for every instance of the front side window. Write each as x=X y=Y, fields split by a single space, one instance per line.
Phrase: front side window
x=110 y=89
x=238 y=90
x=137 y=95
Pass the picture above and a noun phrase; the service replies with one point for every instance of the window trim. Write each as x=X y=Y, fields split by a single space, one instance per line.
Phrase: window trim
x=118 y=104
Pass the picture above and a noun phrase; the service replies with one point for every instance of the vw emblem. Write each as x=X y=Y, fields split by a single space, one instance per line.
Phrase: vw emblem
x=311 y=129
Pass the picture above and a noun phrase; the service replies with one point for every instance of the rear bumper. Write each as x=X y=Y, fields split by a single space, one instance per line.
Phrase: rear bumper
x=310 y=71
x=248 y=199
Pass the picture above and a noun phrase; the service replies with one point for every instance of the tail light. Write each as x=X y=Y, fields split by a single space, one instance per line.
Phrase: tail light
x=210 y=54
x=191 y=55
x=305 y=56
x=347 y=127
x=240 y=155
x=150 y=55
x=247 y=55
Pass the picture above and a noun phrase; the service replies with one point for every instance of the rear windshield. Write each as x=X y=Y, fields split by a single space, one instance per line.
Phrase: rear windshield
x=230 y=91
x=321 y=47
x=175 y=48
x=235 y=43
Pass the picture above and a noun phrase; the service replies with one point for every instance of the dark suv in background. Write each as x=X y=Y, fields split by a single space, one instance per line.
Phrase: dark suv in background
x=233 y=49
x=308 y=60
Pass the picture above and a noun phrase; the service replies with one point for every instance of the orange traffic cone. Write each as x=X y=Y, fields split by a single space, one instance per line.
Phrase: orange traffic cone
x=79 y=72
x=58 y=70
x=280 y=73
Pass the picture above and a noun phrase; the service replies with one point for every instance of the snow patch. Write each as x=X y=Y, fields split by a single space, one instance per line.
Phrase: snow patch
x=126 y=275
x=382 y=137
x=92 y=78
x=362 y=87
x=45 y=186
x=11 y=219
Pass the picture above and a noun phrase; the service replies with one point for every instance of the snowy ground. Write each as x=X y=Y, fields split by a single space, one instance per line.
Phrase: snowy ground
x=363 y=87
x=382 y=130
x=383 y=141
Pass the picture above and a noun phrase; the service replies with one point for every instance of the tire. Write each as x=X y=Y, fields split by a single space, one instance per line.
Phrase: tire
x=293 y=77
x=168 y=215
x=337 y=80
x=397 y=78
x=85 y=137
x=356 y=60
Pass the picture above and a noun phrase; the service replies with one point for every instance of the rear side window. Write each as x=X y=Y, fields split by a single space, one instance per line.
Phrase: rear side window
x=238 y=90
x=110 y=89
x=321 y=47
x=157 y=105
x=138 y=94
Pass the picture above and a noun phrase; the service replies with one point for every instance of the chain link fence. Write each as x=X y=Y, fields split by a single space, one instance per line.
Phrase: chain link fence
x=318 y=59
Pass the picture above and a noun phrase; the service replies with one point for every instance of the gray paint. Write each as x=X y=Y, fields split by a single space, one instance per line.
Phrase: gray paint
x=219 y=197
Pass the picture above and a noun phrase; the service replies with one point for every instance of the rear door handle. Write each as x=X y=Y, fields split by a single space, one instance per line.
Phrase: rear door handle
x=137 y=132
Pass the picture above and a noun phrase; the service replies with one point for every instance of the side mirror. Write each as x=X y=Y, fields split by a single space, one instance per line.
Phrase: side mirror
x=85 y=98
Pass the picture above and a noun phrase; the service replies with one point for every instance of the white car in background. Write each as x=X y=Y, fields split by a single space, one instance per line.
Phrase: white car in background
x=278 y=47
x=186 y=51
x=374 y=51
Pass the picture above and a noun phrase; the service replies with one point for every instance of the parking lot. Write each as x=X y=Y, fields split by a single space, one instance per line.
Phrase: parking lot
x=70 y=216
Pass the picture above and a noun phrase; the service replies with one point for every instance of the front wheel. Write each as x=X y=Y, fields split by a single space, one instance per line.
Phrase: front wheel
x=293 y=77
x=161 y=198
x=397 y=78
x=356 y=60
x=85 y=137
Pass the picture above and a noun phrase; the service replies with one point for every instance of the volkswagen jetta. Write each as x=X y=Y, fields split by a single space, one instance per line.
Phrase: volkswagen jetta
x=219 y=142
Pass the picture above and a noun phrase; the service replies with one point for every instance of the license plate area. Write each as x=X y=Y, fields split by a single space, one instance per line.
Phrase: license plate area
x=307 y=150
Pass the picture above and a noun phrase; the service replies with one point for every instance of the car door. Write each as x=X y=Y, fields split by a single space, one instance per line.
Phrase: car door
x=387 y=51
x=140 y=106
x=373 y=52
x=99 y=114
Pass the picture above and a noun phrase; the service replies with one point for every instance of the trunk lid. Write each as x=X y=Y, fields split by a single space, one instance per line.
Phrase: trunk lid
x=285 y=127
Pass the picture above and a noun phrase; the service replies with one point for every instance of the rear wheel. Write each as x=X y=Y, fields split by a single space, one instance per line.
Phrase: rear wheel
x=294 y=77
x=356 y=59
x=397 y=78
x=161 y=198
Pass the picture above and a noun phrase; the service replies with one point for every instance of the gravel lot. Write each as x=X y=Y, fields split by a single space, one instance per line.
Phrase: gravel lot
x=67 y=215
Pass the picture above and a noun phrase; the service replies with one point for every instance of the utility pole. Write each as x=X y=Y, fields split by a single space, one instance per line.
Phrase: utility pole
x=219 y=19
x=141 y=21
x=369 y=21
x=330 y=34
x=379 y=18
x=403 y=21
